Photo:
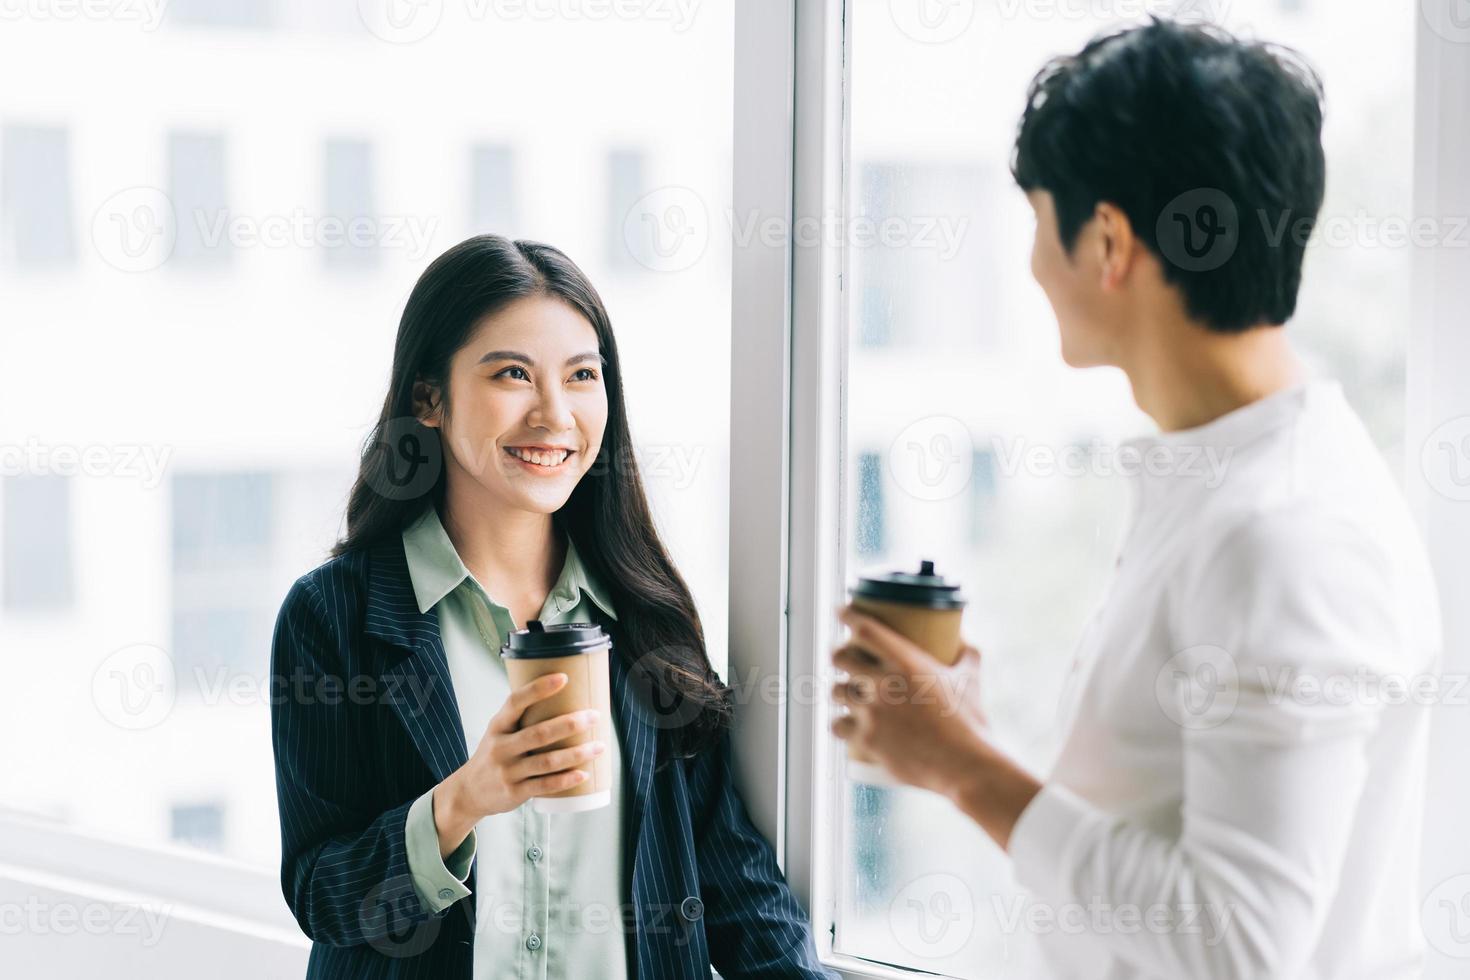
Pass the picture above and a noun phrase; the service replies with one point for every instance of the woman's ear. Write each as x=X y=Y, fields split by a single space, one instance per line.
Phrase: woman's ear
x=428 y=403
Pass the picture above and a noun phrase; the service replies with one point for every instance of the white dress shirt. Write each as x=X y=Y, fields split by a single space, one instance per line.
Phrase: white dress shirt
x=548 y=887
x=1239 y=791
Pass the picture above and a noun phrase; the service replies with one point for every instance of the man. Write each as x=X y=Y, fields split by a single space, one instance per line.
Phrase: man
x=1236 y=753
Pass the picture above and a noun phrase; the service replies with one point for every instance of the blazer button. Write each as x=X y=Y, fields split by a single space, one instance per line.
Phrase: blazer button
x=691 y=908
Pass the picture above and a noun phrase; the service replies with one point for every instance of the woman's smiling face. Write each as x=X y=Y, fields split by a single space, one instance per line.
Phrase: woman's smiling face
x=527 y=404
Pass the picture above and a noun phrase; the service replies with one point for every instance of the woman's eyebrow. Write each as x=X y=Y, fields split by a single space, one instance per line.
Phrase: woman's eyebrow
x=511 y=355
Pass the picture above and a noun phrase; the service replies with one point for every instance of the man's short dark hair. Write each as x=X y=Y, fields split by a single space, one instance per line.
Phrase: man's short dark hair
x=1212 y=146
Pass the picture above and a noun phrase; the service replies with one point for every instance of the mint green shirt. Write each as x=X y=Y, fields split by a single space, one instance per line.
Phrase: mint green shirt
x=548 y=886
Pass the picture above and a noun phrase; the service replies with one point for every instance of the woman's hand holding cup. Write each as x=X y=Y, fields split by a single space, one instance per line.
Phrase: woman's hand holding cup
x=509 y=766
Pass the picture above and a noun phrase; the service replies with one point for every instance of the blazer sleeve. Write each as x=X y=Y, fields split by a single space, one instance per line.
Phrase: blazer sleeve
x=344 y=869
x=754 y=924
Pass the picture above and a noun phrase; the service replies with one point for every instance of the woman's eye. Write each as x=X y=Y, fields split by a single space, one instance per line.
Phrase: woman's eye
x=585 y=374
x=521 y=373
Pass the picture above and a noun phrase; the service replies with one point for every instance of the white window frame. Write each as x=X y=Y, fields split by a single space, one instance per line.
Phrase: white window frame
x=212 y=912
x=788 y=365
x=1439 y=357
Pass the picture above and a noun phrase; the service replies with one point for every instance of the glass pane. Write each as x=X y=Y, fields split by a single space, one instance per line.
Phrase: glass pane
x=208 y=229
x=37 y=543
x=35 y=197
x=972 y=444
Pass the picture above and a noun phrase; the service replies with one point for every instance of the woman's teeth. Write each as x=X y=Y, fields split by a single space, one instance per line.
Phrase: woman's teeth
x=540 y=458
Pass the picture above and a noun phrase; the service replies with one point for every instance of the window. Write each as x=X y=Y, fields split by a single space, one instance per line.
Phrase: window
x=220 y=13
x=197 y=189
x=625 y=184
x=223 y=536
x=984 y=514
x=952 y=362
x=36 y=196
x=492 y=182
x=251 y=385
x=221 y=518
x=200 y=825
x=868 y=525
x=921 y=259
x=349 y=204
x=37 y=540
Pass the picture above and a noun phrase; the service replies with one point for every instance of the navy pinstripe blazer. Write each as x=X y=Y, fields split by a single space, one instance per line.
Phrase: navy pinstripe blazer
x=364 y=720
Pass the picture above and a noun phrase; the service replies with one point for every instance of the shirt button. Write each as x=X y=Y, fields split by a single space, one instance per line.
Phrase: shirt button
x=533 y=854
x=446 y=894
x=691 y=908
x=533 y=942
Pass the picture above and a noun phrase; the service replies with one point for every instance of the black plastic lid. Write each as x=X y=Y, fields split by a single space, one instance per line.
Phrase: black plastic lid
x=923 y=588
x=564 y=640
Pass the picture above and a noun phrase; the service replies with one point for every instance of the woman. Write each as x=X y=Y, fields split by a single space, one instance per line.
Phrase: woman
x=499 y=486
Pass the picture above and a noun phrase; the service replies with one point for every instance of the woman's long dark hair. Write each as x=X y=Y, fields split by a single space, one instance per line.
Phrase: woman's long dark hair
x=607 y=515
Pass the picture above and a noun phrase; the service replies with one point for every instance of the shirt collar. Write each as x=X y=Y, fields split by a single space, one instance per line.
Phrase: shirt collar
x=436 y=569
x=1205 y=451
x=433 y=564
x=577 y=580
x=1247 y=423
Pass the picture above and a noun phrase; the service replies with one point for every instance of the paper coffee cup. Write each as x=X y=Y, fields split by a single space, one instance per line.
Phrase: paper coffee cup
x=579 y=650
x=926 y=609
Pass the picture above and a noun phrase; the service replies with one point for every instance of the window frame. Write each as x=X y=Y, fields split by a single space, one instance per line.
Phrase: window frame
x=1438 y=356
x=214 y=908
x=788 y=425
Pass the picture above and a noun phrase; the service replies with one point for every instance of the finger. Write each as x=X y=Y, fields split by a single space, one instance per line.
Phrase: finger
x=543 y=733
x=547 y=785
x=897 y=651
x=969 y=657
x=558 y=760
x=856 y=661
x=859 y=692
x=509 y=716
x=844 y=727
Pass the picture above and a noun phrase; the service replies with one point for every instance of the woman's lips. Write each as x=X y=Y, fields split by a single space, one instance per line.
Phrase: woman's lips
x=543 y=468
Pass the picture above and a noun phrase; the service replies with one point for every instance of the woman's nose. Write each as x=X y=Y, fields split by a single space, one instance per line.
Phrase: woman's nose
x=552 y=411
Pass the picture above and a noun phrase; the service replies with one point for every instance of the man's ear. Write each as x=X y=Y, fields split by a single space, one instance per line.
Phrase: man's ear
x=428 y=403
x=1117 y=244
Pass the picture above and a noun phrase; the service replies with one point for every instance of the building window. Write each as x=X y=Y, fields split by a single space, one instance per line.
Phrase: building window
x=196 y=187
x=199 y=825
x=869 y=529
x=349 y=199
x=37 y=543
x=223 y=531
x=983 y=499
x=220 y=13
x=624 y=188
x=35 y=197
x=492 y=189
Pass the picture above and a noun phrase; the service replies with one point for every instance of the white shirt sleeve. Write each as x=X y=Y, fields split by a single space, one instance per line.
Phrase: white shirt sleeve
x=1270 y=780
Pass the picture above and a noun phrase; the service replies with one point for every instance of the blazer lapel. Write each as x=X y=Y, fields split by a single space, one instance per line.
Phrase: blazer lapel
x=416 y=671
x=416 y=676
x=640 y=745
